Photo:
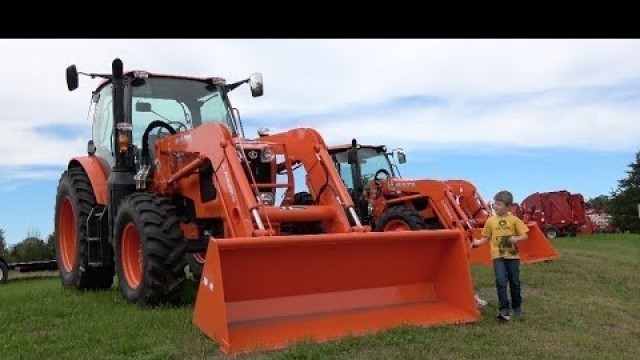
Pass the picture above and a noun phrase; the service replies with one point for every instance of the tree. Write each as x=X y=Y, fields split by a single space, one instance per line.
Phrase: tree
x=623 y=206
x=3 y=244
x=51 y=244
x=599 y=203
x=30 y=249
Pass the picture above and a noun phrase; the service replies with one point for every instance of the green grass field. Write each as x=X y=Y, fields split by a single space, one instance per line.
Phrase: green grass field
x=586 y=305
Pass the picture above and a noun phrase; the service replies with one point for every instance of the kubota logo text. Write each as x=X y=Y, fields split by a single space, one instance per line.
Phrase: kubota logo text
x=227 y=178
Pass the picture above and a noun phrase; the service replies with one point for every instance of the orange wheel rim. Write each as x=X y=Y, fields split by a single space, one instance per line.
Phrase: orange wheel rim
x=131 y=255
x=199 y=256
x=397 y=225
x=67 y=235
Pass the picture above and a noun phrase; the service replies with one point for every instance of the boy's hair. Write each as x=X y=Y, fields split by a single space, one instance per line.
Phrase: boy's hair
x=505 y=197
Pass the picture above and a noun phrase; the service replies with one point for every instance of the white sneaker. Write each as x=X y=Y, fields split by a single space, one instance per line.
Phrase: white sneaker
x=503 y=316
x=480 y=302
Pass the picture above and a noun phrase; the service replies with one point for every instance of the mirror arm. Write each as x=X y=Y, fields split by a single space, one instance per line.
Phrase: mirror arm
x=231 y=87
x=93 y=76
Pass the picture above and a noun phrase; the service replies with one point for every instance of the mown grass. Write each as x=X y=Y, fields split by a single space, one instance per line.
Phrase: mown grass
x=584 y=305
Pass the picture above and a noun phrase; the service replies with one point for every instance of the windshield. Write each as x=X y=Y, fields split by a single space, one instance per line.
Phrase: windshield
x=371 y=160
x=184 y=103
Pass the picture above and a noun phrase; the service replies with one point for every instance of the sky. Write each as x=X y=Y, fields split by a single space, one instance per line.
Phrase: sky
x=523 y=115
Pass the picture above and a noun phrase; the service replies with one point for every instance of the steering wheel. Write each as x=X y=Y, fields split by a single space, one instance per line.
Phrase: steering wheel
x=180 y=124
x=381 y=171
x=162 y=132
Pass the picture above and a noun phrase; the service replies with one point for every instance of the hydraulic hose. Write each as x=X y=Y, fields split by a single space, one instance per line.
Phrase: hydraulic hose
x=145 y=138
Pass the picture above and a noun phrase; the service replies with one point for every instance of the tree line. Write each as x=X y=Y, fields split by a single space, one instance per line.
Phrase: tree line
x=624 y=202
x=31 y=248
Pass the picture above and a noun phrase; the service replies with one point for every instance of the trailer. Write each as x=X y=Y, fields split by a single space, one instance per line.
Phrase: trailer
x=23 y=267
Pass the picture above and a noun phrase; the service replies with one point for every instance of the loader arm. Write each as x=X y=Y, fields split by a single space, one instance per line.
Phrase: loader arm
x=442 y=204
x=213 y=142
x=470 y=200
x=323 y=181
x=237 y=202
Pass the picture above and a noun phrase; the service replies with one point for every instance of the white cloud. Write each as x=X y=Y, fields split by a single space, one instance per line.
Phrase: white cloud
x=306 y=77
x=13 y=177
x=545 y=123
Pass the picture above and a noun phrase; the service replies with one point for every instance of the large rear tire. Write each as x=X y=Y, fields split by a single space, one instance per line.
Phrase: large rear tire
x=150 y=250
x=400 y=218
x=74 y=201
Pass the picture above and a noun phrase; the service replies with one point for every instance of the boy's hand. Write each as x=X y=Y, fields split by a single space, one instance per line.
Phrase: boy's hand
x=513 y=240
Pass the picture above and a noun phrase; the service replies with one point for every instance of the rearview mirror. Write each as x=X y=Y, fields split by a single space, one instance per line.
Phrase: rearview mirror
x=143 y=106
x=255 y=82
x=72 y=77
x=402 y=157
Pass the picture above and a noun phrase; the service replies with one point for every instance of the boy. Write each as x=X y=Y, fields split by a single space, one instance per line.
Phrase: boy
x=505 y=231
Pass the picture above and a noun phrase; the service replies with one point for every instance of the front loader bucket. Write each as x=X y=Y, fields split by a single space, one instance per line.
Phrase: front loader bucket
x=536 y=248
x=267 y=292
x=480 y=255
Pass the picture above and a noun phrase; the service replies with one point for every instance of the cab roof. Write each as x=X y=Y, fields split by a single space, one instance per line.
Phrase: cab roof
x=211 y=79
x=345 y=147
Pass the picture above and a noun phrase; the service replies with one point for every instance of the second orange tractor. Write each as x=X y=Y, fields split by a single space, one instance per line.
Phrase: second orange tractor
x=389 y=202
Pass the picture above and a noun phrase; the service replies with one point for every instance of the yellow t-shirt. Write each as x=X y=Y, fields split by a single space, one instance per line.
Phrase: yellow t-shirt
x=499 y=229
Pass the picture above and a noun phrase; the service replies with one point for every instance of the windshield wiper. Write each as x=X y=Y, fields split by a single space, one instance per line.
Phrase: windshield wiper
x=160 y=115
x=209 y=98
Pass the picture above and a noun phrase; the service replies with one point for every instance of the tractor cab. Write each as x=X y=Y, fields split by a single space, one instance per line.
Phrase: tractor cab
x=360 y=166
x=183 y=103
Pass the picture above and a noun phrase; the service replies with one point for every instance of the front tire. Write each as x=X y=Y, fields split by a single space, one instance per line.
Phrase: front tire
x=74 y=201
x=196 y=263
x=551 y=233
x=400 y=218
x=150 y=250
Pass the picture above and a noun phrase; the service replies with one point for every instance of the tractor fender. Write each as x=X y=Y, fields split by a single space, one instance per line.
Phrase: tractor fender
x=96 y=173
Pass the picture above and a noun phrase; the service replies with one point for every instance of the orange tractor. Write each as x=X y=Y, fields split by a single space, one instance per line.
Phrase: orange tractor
x=170 y=178
x=388 y=202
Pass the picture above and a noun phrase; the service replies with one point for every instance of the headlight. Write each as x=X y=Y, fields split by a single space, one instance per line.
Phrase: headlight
x=267 y=155
x=266 y=198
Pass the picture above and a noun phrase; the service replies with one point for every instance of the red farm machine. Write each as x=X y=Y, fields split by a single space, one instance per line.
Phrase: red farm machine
x=169 y=178
x=557 y=213
x=388 y=202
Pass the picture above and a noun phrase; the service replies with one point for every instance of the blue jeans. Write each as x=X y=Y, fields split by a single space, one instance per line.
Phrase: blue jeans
x=508 y=271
